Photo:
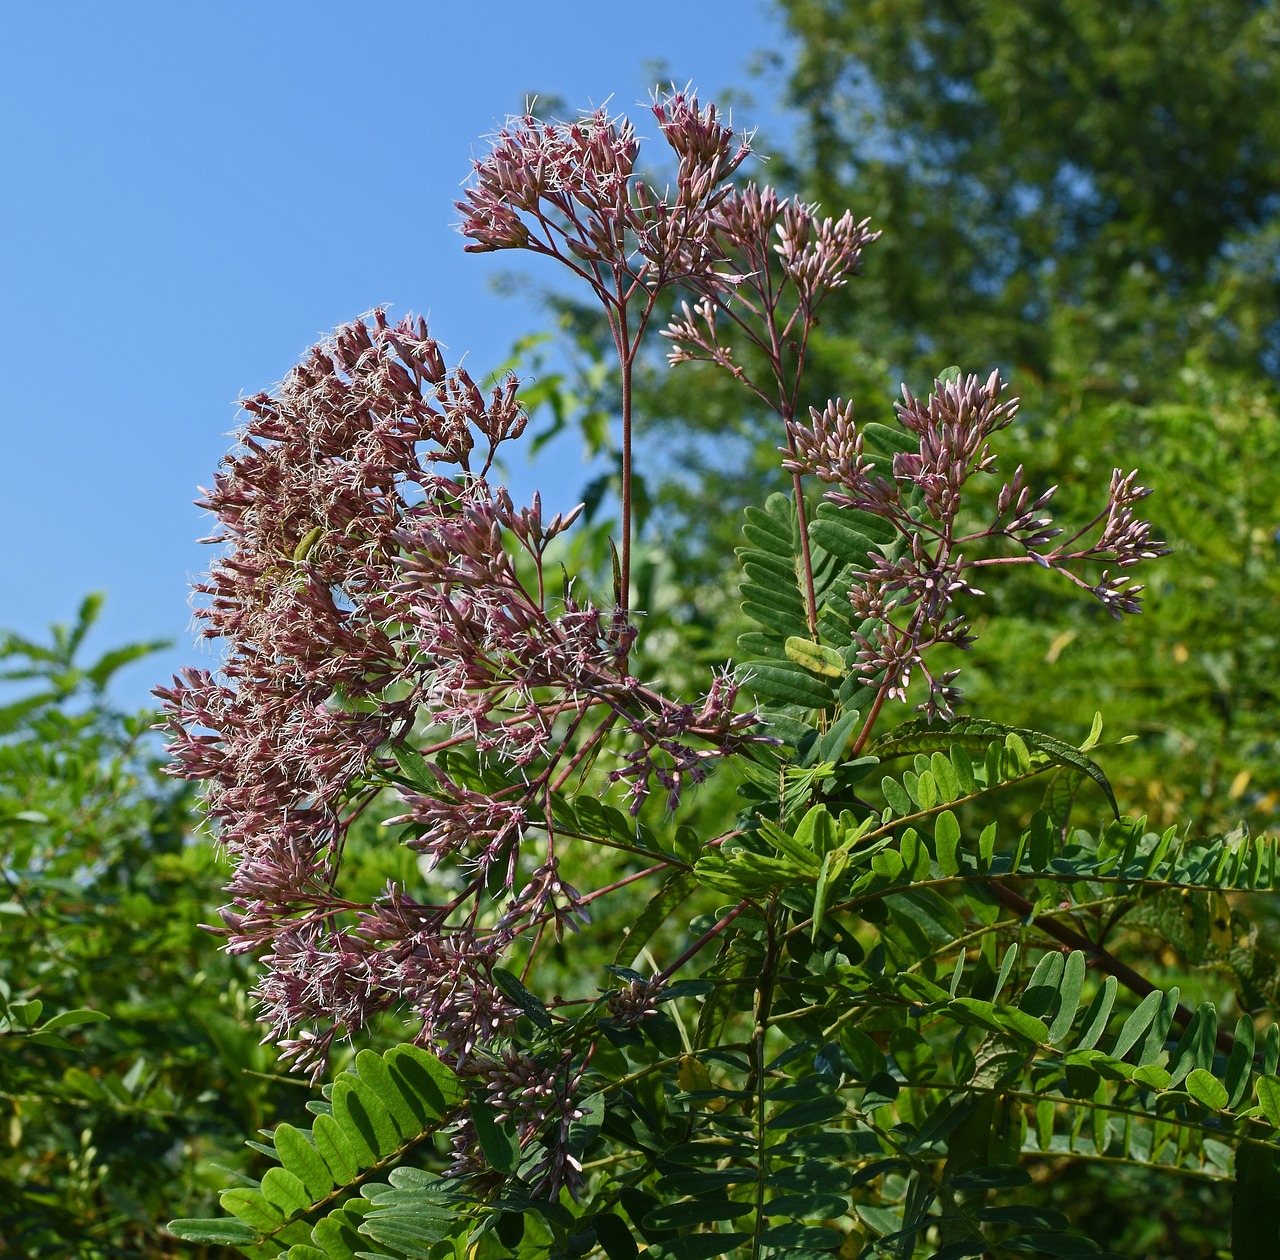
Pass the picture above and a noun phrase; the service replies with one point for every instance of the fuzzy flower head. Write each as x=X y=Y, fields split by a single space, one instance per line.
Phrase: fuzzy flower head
x=570 y=190
x=777 y=261
x=906 y=597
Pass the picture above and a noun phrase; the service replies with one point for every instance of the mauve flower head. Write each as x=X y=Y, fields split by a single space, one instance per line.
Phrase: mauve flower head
x=368 y=590
x=571 y=191
x=775 y=263
x=557 y=173
x=908 y=594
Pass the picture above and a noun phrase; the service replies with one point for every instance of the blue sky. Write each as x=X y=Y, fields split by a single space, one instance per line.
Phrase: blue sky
x=196 y=193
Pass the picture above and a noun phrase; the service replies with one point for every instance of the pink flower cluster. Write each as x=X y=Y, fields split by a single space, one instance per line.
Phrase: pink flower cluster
x=367 y=597
x=570 y=191
x=908 y=595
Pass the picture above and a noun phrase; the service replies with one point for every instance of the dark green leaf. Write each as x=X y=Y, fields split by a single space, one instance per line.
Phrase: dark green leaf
x=813 y=1112
x=512 y=987
x=1255 y=1204
x=614 y=1237
x=701 y=1211
x=496 y=1140
x=797 y=1235
x=696 y=1247
x=994 y=1177
x=808 y=1206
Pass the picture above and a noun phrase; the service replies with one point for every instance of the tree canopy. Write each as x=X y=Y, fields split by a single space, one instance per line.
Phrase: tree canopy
x=1046 y=166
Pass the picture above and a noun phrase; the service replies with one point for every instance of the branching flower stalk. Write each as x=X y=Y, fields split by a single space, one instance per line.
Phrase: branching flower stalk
x=783 y=262
x=570 y=191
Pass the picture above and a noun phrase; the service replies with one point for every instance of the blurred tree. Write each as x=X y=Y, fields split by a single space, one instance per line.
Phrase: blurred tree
x=129 y=1061
x=1072 y=190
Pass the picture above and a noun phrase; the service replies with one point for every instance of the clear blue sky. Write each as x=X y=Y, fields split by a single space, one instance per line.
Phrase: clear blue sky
x=194 y=193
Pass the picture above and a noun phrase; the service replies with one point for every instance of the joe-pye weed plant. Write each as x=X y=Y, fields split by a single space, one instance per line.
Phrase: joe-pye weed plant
x=844 y=1020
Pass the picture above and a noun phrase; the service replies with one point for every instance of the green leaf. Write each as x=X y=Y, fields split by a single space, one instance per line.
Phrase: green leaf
x=992 y=1177
x=782 y=623
x=364 y=1119
x=815 y=1111
x=779 y=597
x=817 y=658
x=945 y=776
x=1042 y=989
x=808 y=1206
x=978 y=734
x=337 y=1150
x=654 y=915
x=1267 y=1090
x=224 y=1232
x=1205 y=1088
x=1069 y=995
x=816 y=831
x=786 y=683
x=252 y=1207
x=1095 y=1018
x=496 y=1140
x=1240 y=1061
x=69 y=1019
x=696 y=1247
x=897 y=797
x=701 y=1211
x=1006 y=967
x=1153 y=1044
x=794 y=1234
x=512 y=987
x=375 y=1074
x=946 y=838
x=27 y=1012
x=1154 y=1076
x=832 y=867
x=614 y=1237
x=844 y=542
x=421 y=1075
x=415 y=1237
x=336 y=1237
x=302 y=1159
x=1137 y=1024
x=1255 y=1204
x=414 y=768
x=285 y=1191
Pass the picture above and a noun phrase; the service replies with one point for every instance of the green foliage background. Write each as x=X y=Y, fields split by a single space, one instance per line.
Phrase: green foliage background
x=130 y=1069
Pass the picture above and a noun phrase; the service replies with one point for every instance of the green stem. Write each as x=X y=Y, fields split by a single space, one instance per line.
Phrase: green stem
x=764 y=1007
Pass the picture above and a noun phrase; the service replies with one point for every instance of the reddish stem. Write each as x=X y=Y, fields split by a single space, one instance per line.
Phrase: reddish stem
x=702 y=942
x=865 y=733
